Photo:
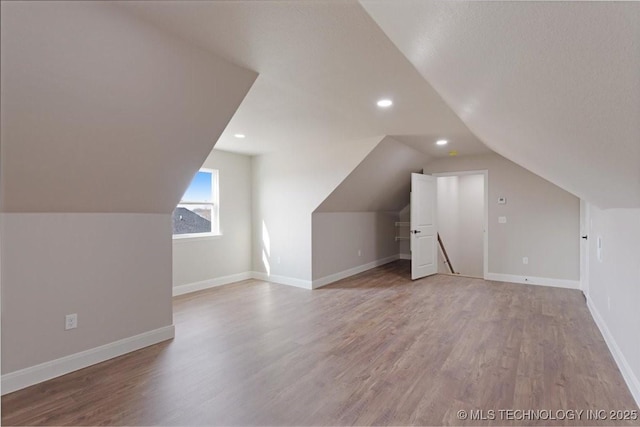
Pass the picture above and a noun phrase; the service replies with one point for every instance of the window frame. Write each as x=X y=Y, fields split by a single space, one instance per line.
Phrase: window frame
x=215 y=208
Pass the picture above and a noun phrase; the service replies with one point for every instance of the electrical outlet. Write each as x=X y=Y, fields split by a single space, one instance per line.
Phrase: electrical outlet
x=70 y=321
x=359 y=252
x=502 y=220
x=525 y=260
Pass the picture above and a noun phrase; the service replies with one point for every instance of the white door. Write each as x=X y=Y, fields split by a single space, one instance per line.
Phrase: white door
x=424 y=241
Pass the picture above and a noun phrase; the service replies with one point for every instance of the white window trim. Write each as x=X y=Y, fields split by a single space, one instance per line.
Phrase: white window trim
x=197 y=236
x=215 y=189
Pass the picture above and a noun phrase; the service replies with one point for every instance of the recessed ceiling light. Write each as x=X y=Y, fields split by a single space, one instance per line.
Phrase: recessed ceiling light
x=385 y=103
x=442 y=142
x=239 y=135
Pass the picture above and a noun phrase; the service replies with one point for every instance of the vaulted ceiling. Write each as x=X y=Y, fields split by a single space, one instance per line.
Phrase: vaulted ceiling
x=322 y=66
x=380 y=183
x=553 y=86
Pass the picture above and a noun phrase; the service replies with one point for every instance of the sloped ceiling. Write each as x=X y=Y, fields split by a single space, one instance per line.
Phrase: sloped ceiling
x=102 y=112
x=380 y=183
x=322 y=64
x=552 y=86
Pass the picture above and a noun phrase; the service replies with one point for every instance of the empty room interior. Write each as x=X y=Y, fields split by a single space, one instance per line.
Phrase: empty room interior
x=347 y=212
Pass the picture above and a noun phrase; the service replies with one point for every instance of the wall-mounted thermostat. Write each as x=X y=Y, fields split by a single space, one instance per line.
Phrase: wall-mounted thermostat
x=502 y=200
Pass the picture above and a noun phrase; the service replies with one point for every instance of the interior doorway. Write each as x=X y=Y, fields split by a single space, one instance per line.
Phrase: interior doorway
x=462 y=202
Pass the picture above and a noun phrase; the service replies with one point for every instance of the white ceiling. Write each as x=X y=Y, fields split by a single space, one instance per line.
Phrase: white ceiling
x=553 y=86
x=323 y=65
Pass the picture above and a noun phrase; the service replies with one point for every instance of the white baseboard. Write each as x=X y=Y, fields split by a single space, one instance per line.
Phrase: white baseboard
x=227 y=280
x=282 y=280
x=352 y=271
x=632 y=381
x=531 y=280
x=211 y=283
x=45 y=371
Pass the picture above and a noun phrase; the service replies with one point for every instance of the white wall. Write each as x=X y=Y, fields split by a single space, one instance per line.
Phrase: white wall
x=614 y=286
x=346 y=240
x=461 y=223
x=405 y=245
x=448 y=210
x=287 y=187
x=543 y=221
x=102 y=112
x=113 y=270
x=104 y=121
x=360 y=214
x=204 y=259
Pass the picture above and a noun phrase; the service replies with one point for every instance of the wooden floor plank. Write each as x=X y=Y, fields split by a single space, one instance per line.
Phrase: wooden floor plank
x=374 y=349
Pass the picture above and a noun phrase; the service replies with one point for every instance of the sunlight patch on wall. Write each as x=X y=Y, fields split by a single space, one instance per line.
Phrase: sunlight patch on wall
x=266 y=248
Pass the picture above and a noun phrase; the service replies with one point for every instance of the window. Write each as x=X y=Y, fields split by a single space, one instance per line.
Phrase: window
x=197 y=213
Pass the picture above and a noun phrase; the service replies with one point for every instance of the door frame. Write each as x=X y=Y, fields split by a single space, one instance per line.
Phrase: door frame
x=585 y=229
x=485 y=173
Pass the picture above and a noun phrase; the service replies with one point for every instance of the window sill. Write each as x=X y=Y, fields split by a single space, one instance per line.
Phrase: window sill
x=177 y=238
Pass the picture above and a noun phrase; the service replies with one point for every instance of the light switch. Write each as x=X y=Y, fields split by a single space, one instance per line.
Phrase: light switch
x=502 y=200
x=502 y=219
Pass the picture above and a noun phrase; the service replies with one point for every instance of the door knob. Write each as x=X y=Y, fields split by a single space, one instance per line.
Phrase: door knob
x=585 y=237
x=416 y=231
